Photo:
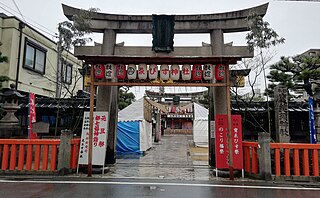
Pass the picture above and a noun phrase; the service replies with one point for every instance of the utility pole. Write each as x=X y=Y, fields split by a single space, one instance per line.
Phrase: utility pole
x=59 y=68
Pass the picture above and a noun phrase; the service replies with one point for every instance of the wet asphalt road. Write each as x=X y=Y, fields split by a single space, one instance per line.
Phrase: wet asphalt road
x=155 y=188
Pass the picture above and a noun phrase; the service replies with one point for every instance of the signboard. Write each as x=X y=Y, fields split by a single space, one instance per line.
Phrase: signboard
x=222 y=151
x=222 y=155
x=313 y=139
x=99 y=140
x=236 y=127
x=32 y=115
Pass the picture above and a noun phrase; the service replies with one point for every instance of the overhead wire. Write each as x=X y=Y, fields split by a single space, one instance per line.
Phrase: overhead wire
x=37 y=26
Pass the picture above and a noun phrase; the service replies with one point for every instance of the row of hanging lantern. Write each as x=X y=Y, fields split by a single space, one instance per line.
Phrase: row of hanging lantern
x=143 y=71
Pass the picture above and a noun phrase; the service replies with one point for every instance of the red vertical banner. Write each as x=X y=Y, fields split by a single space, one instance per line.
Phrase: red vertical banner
x=32 y=115
x=222 y=153
x=237 y=141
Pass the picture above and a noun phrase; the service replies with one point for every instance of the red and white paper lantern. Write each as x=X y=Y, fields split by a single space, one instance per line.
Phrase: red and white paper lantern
x=121 y=71
x=220 y=72
x=186 y=72
x=196 y=72
x=175 y=72
x=142 y=71
x=132 y=71
x=164 y=72
x=153 y=72
x=99 y=71
x=207 y=72
x=109 y=71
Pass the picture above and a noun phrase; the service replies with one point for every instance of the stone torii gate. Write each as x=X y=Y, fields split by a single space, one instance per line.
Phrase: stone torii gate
x=214 y=24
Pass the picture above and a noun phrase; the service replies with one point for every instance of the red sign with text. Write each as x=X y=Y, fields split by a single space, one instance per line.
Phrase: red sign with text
x=222 y=153
x=236 y=123
x=222 y=149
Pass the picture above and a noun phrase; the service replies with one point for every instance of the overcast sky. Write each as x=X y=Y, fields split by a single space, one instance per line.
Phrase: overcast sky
x=297 y=22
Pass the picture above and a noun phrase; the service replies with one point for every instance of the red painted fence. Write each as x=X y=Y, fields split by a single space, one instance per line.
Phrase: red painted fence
x=34 y=154
x=287 y=158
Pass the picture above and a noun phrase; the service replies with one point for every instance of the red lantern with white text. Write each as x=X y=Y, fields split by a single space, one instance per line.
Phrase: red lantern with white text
x=99 y=71
x=197 y=72
x=220 y=72
x=121 y=71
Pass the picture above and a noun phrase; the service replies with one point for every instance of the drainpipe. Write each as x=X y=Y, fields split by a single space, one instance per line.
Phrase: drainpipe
x=21 y=26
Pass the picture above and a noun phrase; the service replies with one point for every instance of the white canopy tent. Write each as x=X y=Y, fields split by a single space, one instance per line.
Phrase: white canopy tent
x=200 y=125
x=134 y=132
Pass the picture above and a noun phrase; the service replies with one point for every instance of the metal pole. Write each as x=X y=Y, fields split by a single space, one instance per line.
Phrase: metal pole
x=91 y=121
x=229 y=134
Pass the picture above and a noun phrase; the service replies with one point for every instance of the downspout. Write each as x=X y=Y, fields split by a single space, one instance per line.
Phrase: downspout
x=21 y=26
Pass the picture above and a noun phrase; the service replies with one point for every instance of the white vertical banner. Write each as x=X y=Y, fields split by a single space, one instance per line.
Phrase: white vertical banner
x=99 y=139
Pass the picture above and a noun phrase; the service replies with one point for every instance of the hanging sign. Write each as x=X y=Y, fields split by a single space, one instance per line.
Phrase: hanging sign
x=132 y=71
x=186 y=72
x=109 y=71
x=121 y=71
x=197 y=72
x=99 y=71
x=175 y=72
x=220 y=72
x=207 y=72
x=164 y=72
x=99 y=140
x=153 y=72
x=142 y=71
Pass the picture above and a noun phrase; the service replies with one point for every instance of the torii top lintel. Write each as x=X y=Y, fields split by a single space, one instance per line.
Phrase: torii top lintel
x=202 y=23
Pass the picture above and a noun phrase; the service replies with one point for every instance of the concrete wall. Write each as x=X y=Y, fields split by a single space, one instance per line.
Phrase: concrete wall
x=29 y=80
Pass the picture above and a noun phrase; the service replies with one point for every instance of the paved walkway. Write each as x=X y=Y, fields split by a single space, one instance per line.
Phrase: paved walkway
x=173 y=157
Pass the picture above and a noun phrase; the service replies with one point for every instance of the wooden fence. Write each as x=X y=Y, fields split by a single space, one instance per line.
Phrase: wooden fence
x=34 y=154
x=288 y=159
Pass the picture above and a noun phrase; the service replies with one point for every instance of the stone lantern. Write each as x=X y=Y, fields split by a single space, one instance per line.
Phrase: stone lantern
x=9 y=124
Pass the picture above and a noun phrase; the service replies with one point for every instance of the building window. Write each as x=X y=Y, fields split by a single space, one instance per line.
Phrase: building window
x=35 y=57
x=67 y=72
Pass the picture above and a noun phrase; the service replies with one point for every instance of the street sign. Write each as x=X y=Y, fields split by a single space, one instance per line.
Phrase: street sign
x=99 y=140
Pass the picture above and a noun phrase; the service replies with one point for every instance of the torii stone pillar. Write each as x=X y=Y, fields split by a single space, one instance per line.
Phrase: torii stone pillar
x=217 y=95
x=107 y=98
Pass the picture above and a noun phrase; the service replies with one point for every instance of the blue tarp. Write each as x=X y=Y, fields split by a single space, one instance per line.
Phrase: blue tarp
x=128 y=137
